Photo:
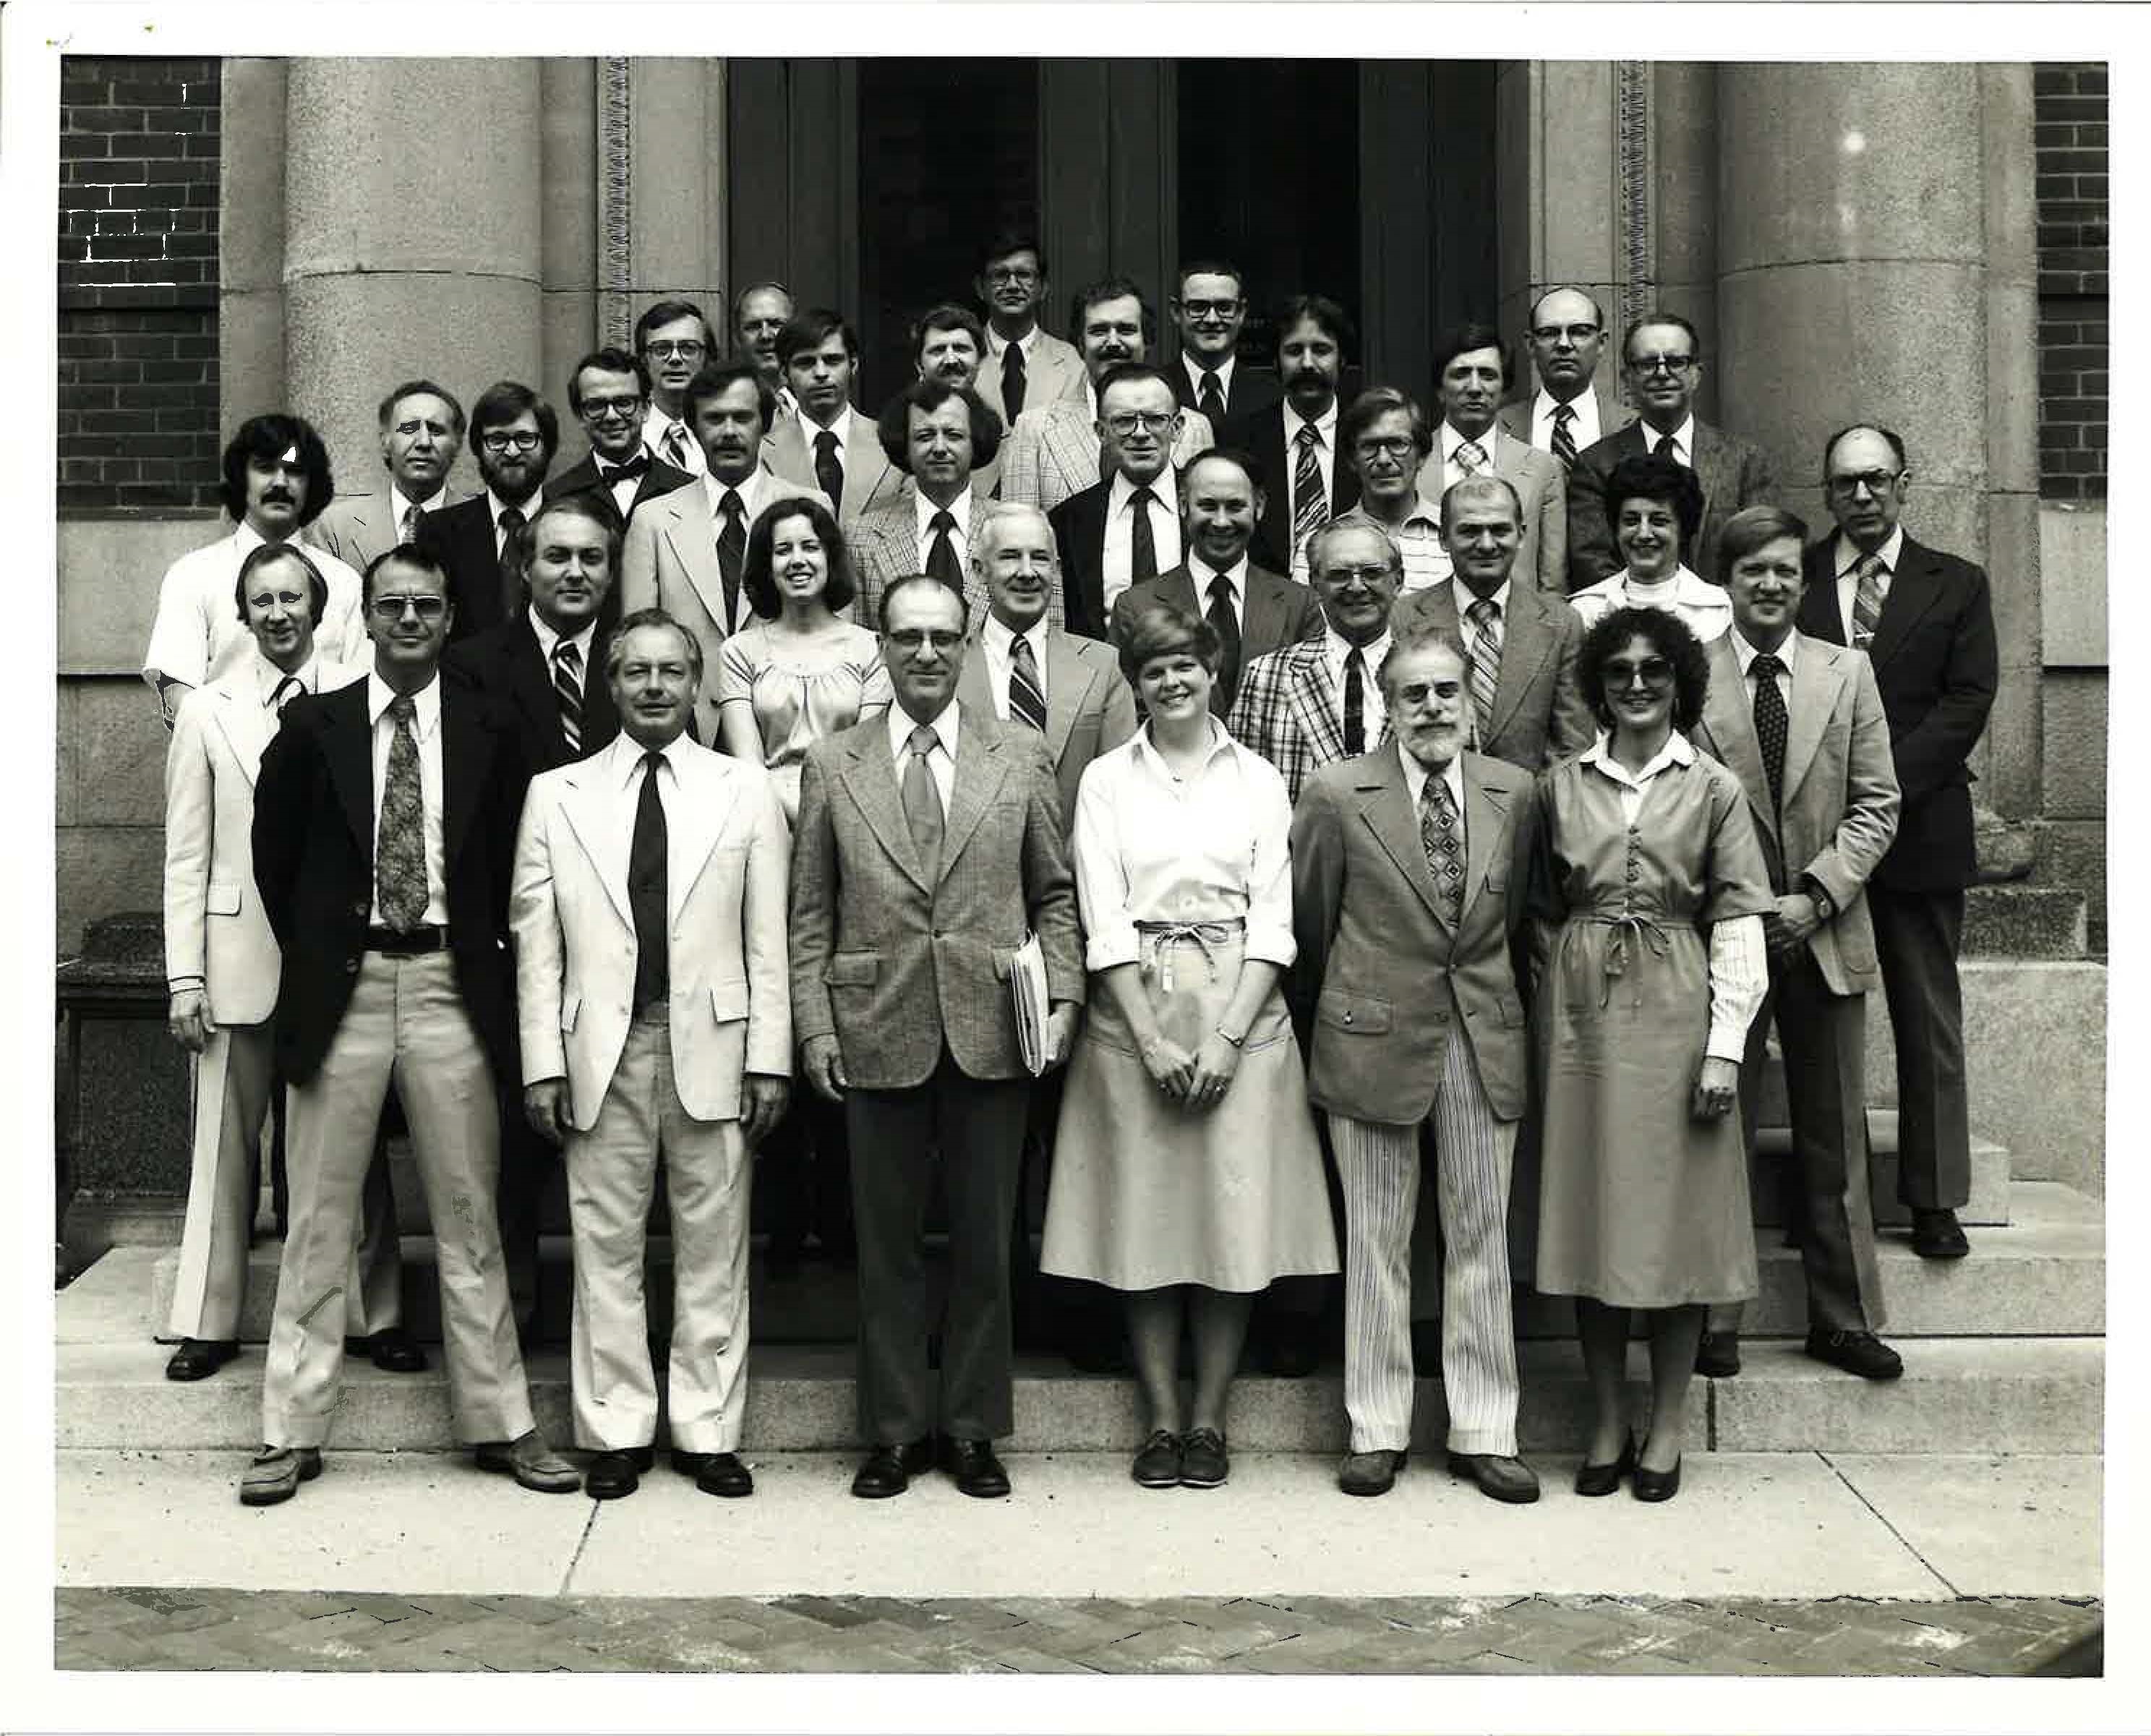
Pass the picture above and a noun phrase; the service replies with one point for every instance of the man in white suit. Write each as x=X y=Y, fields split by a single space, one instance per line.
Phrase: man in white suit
x=828 y=445
x=1471 y=374
x=222 y=965
x=652 y=994
x=422 y=432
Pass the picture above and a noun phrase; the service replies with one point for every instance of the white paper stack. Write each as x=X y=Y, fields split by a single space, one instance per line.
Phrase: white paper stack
x=1026 y=980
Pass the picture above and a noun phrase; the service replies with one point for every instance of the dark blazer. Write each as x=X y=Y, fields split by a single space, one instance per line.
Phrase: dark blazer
x=1254 y=389
x=1278 y=612
x=1079 y=534
x=1734 y=473
x=581 y=477
x=1539 y=710
x=1935 y=659
x=505 y=663
x=313 y=862
x=1262 y=436
x=460 y=537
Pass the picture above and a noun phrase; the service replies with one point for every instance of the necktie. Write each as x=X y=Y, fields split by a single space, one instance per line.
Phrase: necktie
x=1310 y=504
x=399 y=848
x=412 y=518
x=1445 y=849
x=1026 y=703
x=941 y=550
x=610 y=476
x=1866 y=601
x=646 y=890
x=829 y=468
x=1486 y=675
x=1564 y=437
x=1142 y=546
x=1227 y=625
x=675 y=444
x=1664 y=448
x=922 y=800
x=286 y=689
x=1470 y=458
x=1209 y=398
x=1771 y=722
x=1012 y=381
x=732 y=551
x=511 y=564
x=568 y=693
x=1355 y=702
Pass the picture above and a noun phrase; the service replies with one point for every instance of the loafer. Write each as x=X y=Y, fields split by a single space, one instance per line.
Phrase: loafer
x=1503 y=1477
x=1373 y=1473
x=276 y=1472
x=889 y=1470
x=1292 y=1348
x=1656 y=1484
x=1938 y=1236
x=690 y=1464
x=1604 y=1479
x=531 y=1463
x=1857 y=1353
x=1204 y=1463
x=613 y=1475
x=1718 y=1355
x=198 y=1358
x=392 y=1350
x=975 y=1469
x=1157 y=1462
x=723 y=1474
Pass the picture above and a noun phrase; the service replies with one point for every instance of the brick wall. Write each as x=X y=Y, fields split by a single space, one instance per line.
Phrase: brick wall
x=138 y=282
x=2070 y=126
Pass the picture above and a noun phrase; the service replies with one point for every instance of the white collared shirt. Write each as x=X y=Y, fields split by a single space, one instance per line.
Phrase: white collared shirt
x=550 y=637
x=1195 y=371
x=626 y=769
x=1120 y=531
x=998 y=642
x=1028 y=343
x=1706 y=608
x=811 y=431
x=656 y=425
x=268 y=678
x=717 y=488
x=959 y=534
x=1448 y=439
x=1846 y=556
x=496 y=506
x=1583 y=430
x=1325 y=456
x=400 y=506
x=1200 y=573
x=1452 y=778
x=1337 y=652
x=1787 y=654
x=426 y=725
x=941 y=762
x=1683 y=440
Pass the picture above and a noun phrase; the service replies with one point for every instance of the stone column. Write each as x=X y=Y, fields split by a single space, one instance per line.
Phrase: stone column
x=250 y=306
x=568 y=251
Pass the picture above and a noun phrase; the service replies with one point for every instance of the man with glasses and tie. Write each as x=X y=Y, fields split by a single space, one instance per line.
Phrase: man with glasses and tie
x=1926 y=622
x=476 y=542
x=422 y=432
x=1568 y=412
x=1307 y=481
x=1209 y=307
x=384 y=818
x=1471 y=376
x=674 y=341
x=759 y=312
x=607 y=393
x=1125 y=530
x=1024 y=365
x=939 y=434
x=1662 y=358
x=930 y=844
x=828 y=445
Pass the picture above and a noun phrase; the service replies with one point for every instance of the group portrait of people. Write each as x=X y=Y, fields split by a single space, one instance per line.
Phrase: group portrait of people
x=1273 y=860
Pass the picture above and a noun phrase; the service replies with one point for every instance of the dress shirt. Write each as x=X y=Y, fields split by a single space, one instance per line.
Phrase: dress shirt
x=748 y=492
x=426 y=725
x=999 y=643
x=1706 y=608
x=621 y=762
x=198 y=633
x=1151 y=846
x=1465 y=597
x=1683 y=441
x=811 y=431
x=549 y=637
x=621 y=488
x=495 y=506
x=656 y=425
x=268 y=678
x=1325 y=455
x=1418 y=540
x=959 y=534
x=1452 y=777
x=1583 y=430
x=1448 y=439
x=432 y=503
x=1739 y=965
x=1846 y=557
x=1202 y=574
x=1787 y=654
x=996 y=346
x=1224 y=370
x=941 y=762
x=1120 y=532
x=1335 y=652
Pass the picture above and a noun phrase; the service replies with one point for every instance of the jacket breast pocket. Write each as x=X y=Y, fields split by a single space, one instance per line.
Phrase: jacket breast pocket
x=728 y=999
x=852 y=970
x=1365 y=1014
x=224 y=897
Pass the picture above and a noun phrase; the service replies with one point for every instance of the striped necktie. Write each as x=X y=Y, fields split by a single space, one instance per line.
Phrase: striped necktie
x=1026 y=703
x=1564 y=437
x=1866 y=601
x=1486 y=617
x=1310 y=504
x=568 y=693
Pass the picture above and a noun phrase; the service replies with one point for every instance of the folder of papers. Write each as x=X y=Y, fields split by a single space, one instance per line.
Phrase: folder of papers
x=1026 y=981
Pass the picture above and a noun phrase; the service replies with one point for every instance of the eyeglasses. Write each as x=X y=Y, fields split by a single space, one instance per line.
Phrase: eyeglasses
x=1363 y=575
x=1151 y=422
x=1574 y=334
x=1651 y=672
x=1875 y=481
x=1391 y=446
x=519 y=440
x=1649 y=365
x=596 y=409
x=1208 y=309
x=1018 y=274
x=393 y=609
x=664 y=348
x=910 y=640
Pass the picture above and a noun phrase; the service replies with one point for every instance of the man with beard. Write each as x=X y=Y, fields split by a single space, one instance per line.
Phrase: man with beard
x=934 y=432
x=422 y=432
x=478 y=542
x=1209 y=307
x=1309 y=479
x=828 y=445
x=1125 y=529
x=1024 y=365
x=759 y=312
x=674 y=341
x=606 y=393
x=1568 y=413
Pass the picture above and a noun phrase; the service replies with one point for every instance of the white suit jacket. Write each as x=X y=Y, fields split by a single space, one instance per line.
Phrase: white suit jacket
x=727 y=878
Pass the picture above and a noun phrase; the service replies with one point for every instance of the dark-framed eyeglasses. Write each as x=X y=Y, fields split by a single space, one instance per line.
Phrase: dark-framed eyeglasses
x=393 y=609
x=1875 y=481
x=1649 y=365
x=911 y=640
x=498 y=440
x=1626 y=672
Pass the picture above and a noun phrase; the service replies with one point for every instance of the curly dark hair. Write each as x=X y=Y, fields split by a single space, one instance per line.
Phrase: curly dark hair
x=267 y=437
x=893 y=426
x=1668 y=634
x=1646 y=476
x=758 y=579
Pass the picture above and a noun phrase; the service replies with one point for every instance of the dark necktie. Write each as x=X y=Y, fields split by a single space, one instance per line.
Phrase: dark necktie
x=828 y=468
x=1771 y=722
x=1310 y=504
x=941 y=550
x=634 y=467
x=286 y=690
x=1142 y=546
x=568 y=693
x=922 y=800
x=731 y=552
x=511 y=564
x=399 y=848
x=1564 y=437
x=1664 y=448
x=1445 y=849
x=675 y=443
x=1866 y=601
x=1012 y=381
x=646 y=892
x=1227 y=625
x=1026 y=703
x=1355 y=702
x=1209 y=399
x=1485 y=674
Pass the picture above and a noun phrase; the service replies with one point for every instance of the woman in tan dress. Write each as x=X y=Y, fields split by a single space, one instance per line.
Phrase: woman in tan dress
x=1186 y=1172
x=1648 y=889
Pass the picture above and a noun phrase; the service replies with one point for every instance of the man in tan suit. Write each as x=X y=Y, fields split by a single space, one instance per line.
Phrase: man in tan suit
x=1472 y=376
x=651 y=877
x=422 y=432
x=1012 y=287
x=929 y=843
x=937 y=434
x=828 y=445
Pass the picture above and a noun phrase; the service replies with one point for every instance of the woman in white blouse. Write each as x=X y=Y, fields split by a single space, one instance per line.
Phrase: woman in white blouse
x=1655 y=506
x=1186 y=1172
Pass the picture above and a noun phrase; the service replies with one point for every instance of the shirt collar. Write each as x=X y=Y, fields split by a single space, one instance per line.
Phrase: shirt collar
x=1545 y=403
x=995 y=343
x=1891 y=553
x=717 y=488
x=959 y=510
x=1450 y=439
x=627 y=755
x=1146 y=749
x=548 y=637
x=1416 y=778
x=245 y=539
x=1123 y=490
x=1788 y=653
x=1676 y=752
x=1465 y=597
x=1201 y=572
x=810 y=430
x=1325 y=425
x=1001 y=639
x=432 y=503
x=268 y=678
x=900 y=727
x=1683 y=438
x=379 y=695
x=496 y=506
x=1338 y=649
x=1195 y=371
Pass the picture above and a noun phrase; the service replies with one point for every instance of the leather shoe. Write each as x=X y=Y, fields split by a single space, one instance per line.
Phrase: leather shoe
x=1656 y=1484
x=1157 y=1464
x=723 y=1474
x=198 y=1358
x=977 y=1472
x=1857 y=1353
x=612 y=1475
x=1294 y=1348
x=392 y=1349
x=1938 y=1236
x=1504 y=1477
x=1204 y=1463
x=1718 y=1355
x=276 y=1473
x=1604 y=1479
x=889 y=1470
x=1373 y=1473
x=531 y=1463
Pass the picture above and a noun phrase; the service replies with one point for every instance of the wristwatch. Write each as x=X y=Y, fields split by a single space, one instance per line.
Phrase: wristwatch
x=1825 y=905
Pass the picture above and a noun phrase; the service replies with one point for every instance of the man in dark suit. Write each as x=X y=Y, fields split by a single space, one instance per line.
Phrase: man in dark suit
x=607 y=393
x=1663 y=360
x=1568 y=413
x=515 y=433
x=1209 y=306
x=1924 y=618
x=1307 y=482
x=1254 y=611
x=384 y=820
x=1126 y=528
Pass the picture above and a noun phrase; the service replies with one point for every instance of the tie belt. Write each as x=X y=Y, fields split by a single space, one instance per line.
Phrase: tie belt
x=408 y=943
x=1632 y=933
x=1158 y=938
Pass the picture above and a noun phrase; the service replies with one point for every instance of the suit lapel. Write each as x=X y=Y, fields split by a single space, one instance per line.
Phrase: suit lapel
x=1313 y=699
x=347 y=746
x=1914 y=589
x=871 y=777
x=1815 y=684
x=595 y=813
x=466 y=763
x=693 y=536
x=1729 y=720
x=1819 y=617
x=1067 y=685
x=1709 y=456
x=979 y=770
x=1526 y=644
x=247 y=726
x=531 y=682
x=1385 y=804
x=1265 y=623
x=1486 y=815
x=692 y=828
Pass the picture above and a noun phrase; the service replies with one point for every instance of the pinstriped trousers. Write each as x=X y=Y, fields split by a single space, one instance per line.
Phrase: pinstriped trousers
x=1378 y=1166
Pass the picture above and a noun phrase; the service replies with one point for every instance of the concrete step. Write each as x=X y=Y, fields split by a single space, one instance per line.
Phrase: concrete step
x=2017 y=921
x=1989 y=1204
x=1969 y=1396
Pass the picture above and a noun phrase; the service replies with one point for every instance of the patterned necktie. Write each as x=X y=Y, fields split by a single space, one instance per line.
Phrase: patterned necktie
x=399 y=847
x=286 y=690
x=674 y=445
x=1486 y=675
x=412 y=518
x=1012 y=381
x=1142 y=545
x=1355 y=702
x=1026 y=703
x=511 y=564
x=1771 y=722
x=732 y=551
x=1564 y=437
x=1445 y=849
x=941 y=550
x=1209 y=397
x=829 y=468
x=647 y=891
x=1227 y=625
x=1470 y=457
x=567 y=692
x=1664 y=448
x=1310 y=504
x=1866 y=601
x=922 y=800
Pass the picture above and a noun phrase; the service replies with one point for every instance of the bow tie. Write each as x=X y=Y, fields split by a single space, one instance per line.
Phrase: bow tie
x=634 y=467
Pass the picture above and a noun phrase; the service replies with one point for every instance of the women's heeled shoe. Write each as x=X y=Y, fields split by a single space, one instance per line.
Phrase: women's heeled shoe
x=1604 y=1479
x=1656 y=1484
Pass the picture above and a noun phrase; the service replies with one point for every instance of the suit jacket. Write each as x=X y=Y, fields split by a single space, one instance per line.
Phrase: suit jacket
x=581 y=477
x=313 y=862
x=506 y=662
x=896 y=964
x=1254 y=389
x=214 y=926
x=885 y=545
x=1079 y=535
x=1540 y=715
x=1286 y=710
x=869 y=477
x=1514 y=419
x=1392 y=983
x=1733 y=473
x=1089 y=709
x=1053 y=452
x=1936 y=666
x=725 y=869
x=1542 y=488
x=460 y=538
x=1840 y=804
x=359 y=529
x=1052 y=370
x=1262 y=436
x=1276 y=612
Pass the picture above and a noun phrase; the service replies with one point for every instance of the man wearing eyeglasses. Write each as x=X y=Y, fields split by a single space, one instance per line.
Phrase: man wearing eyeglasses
x=1125 y=529
x=1209 y=307
x=607 y=393
x=422 y=432
x=1024 y=365
x=1387 y=441
x=1663 y=360
x=476 y=541
x=759 y=312
x=674 y=341
x=1568 y=413
x=384 y=820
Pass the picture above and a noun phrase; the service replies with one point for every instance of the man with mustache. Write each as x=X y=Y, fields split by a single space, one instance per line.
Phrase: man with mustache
x=422 y=432
x=1306 y=479
x=948 y=346
x=478 y=542
x=1024 y=364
